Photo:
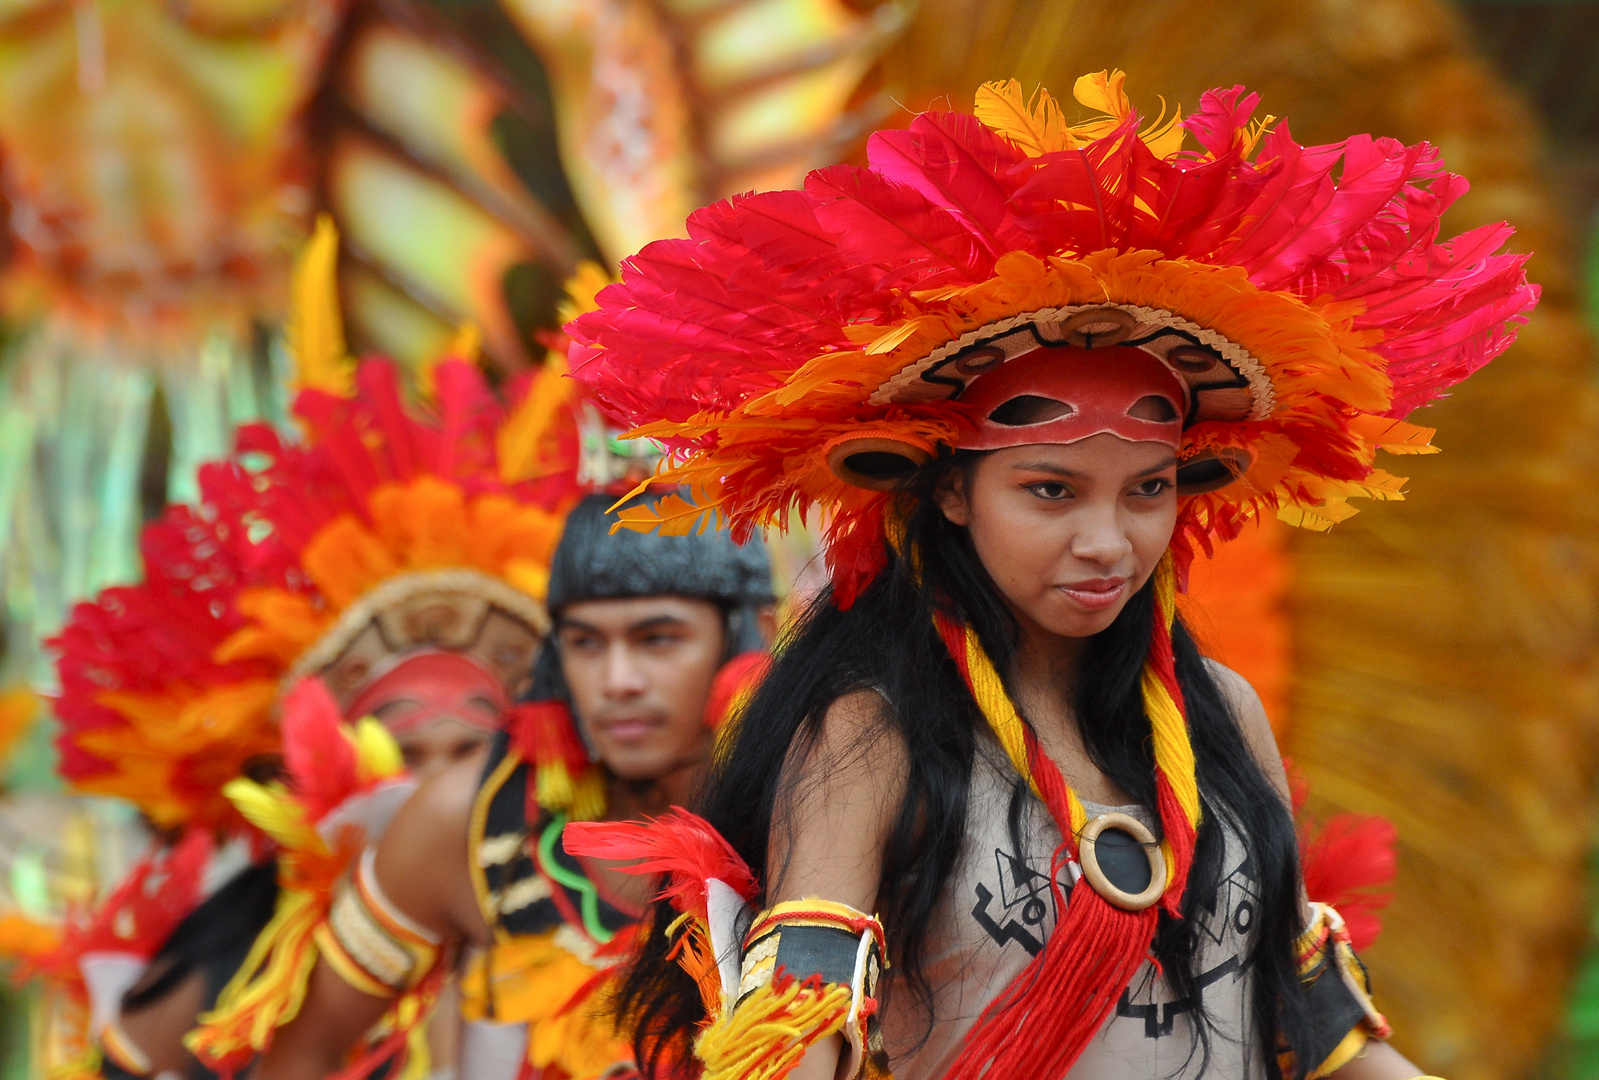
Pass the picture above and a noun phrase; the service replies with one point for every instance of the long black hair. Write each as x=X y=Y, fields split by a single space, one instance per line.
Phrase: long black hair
x=887 y=641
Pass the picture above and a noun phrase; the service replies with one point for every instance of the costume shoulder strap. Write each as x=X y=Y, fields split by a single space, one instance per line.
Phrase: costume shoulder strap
x=525 y=880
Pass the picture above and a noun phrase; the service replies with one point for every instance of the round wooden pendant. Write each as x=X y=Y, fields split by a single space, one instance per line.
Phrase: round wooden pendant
x=1122 y=861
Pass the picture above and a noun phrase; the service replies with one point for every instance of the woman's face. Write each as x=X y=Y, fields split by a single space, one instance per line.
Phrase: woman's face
x=1068 y=533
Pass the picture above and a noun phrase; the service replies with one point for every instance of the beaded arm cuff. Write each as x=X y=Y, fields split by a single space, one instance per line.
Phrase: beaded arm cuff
x=373 y=946
x=809 y=969
x=1338 y=991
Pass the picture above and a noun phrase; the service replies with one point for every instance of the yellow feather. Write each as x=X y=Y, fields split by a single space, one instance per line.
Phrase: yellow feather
x=1165 y=137
x=1103 y=90
x=465 y=344
x=1036 y=128
x=316 y=326
x=525 y=432
x=581 y=289
x=272 y=810
x=1395 y=436
x=376 y=749
x=672 y=515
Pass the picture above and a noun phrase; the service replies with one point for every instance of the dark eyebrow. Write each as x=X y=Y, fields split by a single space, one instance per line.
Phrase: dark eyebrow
x=654 y=622
x=1045 y=467
x=657 y=623
x=1058 y=470
x=1165 y=464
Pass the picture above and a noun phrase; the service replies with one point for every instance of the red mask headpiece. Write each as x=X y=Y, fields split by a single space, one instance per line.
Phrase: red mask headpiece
x=1060 y=394
x=432 y=686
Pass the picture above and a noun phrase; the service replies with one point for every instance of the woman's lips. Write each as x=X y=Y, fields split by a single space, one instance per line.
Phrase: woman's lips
x=1097 y=593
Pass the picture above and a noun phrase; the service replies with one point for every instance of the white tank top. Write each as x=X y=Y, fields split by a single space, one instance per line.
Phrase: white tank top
x=997 y=912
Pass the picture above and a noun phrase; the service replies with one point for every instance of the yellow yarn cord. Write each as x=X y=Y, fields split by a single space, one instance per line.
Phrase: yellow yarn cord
x=988 y=689
x=268 y=988
x=1174 y=754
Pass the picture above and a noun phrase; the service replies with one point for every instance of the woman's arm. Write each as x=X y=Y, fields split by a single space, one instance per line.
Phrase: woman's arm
x=1378 y=1061
x=836 y=806
x=1262 y=742
x=1251 y=714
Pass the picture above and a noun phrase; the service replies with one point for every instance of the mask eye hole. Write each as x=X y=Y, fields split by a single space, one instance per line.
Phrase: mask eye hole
x=1153 y=407
x=1029 y=409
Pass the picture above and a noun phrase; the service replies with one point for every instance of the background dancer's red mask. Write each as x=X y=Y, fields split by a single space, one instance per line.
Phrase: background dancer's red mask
x=1060 y=394
x=429 y=687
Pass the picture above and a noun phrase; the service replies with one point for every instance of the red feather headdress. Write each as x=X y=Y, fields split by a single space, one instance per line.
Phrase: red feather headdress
x=438 y=523
x=169 y=687
x=1305 y=286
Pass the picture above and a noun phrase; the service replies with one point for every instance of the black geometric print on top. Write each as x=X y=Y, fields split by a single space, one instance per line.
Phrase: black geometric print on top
x=1158 y=1017
x=1026 y=902
x=1232 y=910
x=1225 y=920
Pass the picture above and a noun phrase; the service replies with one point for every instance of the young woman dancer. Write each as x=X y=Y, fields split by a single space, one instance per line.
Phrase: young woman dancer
x=1027 y=369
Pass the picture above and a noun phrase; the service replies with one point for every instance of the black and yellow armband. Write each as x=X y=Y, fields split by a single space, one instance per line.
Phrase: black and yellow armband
x=1338 y=993
x=809 y=970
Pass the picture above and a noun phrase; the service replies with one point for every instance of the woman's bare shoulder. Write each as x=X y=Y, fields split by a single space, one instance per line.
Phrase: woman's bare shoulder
x=1240 y=694
x=1251 y=715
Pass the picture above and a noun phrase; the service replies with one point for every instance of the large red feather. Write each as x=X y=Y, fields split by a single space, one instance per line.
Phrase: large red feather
x=1350 y=863
x=320 y=761
x=681 y=845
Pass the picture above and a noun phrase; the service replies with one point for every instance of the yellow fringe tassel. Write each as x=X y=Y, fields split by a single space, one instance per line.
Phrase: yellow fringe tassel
x=268 y=990
x=536 y=979
x=770 y=1031
x=583 y=796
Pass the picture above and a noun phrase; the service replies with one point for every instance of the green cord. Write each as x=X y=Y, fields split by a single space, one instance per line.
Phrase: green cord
x=576 y=882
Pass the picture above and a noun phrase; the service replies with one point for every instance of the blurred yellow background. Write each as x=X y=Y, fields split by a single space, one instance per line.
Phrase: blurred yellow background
x=1433 y=663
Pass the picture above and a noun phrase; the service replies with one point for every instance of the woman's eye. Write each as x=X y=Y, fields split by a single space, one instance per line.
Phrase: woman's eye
x=1149 y=489
x=1053 y=490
